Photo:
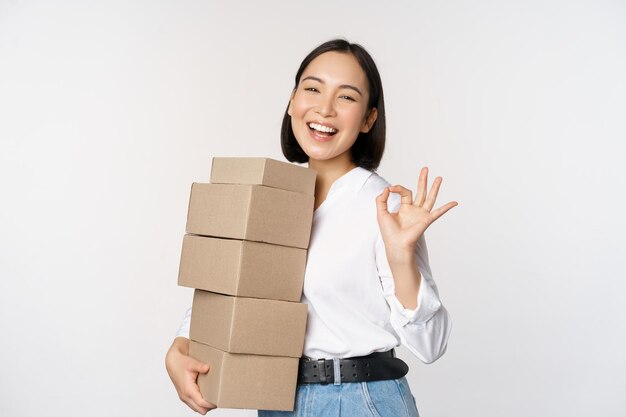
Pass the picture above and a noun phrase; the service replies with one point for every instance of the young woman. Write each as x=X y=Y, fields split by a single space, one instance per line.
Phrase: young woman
x=367 y=283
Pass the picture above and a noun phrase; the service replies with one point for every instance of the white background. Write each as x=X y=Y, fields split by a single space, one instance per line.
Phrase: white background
x=110 y=110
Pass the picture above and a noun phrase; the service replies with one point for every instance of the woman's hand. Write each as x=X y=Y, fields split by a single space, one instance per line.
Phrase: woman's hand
x=184 y=370
x=401 y=230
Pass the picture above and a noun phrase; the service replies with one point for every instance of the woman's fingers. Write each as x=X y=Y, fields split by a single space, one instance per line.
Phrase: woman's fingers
x=443 y=209
x=381 y=202
x=198 y=403
x=195 y=407
x=406 y=195
x=193 y=397
x=197 y=366
x=423 y=199
x=184 y=370
x=193 y=391
x=421 y=187
x=429 y=203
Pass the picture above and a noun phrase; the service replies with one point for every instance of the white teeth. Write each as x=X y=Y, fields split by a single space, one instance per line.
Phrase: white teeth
x=321 y=128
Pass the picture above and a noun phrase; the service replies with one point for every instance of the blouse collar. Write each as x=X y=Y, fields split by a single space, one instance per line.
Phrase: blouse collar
x=352 y=180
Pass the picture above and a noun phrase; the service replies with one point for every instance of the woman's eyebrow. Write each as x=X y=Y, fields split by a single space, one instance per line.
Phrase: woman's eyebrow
x=319 y=80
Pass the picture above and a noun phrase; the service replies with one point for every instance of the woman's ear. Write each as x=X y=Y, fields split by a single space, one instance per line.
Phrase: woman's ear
x=291 y=102
x=369 y=120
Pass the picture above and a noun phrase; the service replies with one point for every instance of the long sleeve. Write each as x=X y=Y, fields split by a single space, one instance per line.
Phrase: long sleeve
x=183 y=330
x=425 y=330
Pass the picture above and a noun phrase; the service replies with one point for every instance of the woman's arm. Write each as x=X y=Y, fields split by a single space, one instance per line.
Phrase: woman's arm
x=421 y=321
x=407 y=279
x=425 y=328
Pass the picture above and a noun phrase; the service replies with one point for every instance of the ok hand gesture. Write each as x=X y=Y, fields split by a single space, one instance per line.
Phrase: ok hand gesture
x=401 y=230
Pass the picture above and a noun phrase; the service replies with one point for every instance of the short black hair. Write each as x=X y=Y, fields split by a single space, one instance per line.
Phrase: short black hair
x=369 y=147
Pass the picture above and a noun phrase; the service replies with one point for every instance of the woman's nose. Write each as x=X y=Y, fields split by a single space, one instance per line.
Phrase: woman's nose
x=326 y=106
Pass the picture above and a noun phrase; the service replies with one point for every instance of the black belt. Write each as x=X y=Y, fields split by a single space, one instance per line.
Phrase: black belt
x=377 y=366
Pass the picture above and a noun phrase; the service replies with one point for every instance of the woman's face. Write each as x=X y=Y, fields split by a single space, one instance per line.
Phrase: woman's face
x=328 y=108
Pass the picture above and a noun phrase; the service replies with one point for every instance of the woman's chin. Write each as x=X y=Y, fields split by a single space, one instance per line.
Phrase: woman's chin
x=318 y=156
x=321 y=153
x=317 y=159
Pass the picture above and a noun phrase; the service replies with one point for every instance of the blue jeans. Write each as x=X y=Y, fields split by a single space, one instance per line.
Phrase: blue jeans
x=391 y=398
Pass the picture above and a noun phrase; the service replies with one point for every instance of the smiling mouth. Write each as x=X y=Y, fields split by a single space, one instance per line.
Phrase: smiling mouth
x=321 y=130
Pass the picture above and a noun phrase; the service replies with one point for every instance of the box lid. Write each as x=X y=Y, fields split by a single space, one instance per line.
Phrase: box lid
x=263 y=171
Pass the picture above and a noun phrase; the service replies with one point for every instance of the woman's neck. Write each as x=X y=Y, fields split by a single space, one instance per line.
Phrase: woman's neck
x=327 y=173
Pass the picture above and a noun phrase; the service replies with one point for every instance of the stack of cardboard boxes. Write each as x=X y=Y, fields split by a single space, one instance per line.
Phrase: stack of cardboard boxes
x=245 y=253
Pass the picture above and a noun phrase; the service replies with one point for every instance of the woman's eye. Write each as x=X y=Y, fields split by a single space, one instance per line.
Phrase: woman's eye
x=310 y=89
x=347 y=98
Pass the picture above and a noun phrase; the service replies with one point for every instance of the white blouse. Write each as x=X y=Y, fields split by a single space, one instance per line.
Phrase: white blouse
x=348 y=285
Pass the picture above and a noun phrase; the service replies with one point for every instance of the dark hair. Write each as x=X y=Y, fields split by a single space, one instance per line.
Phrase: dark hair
x=368 y=149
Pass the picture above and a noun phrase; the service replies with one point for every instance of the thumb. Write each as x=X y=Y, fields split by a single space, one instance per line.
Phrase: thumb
x=197 y=366
x=381 y=202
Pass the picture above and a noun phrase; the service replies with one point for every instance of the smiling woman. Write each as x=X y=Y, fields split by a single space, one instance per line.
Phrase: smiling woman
x=351 y=74
x=331 y=101
x=367 y=284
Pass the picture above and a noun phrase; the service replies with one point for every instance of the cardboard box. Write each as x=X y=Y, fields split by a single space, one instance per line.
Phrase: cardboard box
x=242 y=268
x=248 y=325
x=246 y=381
x=251 y=212
x=263 y=171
